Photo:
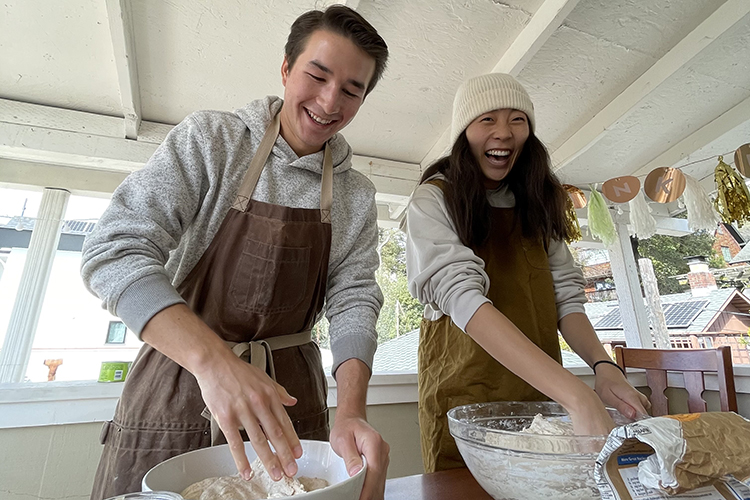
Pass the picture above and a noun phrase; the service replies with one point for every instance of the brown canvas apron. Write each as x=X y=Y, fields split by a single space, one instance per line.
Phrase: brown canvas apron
x=262 y=280
x=454 y=370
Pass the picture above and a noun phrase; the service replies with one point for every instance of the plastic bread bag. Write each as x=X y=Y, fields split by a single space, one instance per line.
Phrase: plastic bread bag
x=699 y=456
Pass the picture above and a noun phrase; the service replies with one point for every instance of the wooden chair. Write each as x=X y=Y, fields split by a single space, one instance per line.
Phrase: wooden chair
x=692 y=363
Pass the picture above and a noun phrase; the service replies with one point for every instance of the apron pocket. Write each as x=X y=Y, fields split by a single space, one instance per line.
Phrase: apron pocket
x=270 y=279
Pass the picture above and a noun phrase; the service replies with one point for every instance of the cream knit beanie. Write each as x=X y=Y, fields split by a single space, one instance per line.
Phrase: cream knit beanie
x=484 y=93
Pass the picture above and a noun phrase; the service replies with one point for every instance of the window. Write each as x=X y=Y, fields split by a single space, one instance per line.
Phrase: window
x=116 y=332
x=398 y=323
x=680 y=343
x=607 y=284
x=69 y=341
x=726 y=253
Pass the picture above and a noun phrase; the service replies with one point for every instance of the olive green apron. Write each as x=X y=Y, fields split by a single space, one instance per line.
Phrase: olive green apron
x=454 y=370
x=260 y=286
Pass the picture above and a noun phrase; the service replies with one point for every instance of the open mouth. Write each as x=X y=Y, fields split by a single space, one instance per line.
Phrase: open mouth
x=317 y=119
x=498 y=157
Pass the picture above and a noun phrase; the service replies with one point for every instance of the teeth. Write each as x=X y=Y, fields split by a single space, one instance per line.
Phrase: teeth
x=498 y=152
x=317 y=118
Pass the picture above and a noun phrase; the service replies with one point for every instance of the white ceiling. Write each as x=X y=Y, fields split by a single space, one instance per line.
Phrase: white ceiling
x=619 y=87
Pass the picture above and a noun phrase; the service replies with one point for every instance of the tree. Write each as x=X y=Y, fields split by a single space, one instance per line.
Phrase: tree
x=667 y=254
x=401 y=313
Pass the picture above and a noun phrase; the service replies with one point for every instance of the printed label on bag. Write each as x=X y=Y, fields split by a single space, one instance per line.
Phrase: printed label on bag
x=640 y=492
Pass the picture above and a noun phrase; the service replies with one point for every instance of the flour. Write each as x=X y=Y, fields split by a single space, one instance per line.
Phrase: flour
x=260 y=486
x=551 y=426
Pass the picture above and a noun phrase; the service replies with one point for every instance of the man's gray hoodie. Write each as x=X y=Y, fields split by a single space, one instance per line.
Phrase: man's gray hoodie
x=163 y=217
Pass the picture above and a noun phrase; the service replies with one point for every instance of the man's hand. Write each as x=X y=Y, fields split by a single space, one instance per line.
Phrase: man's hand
x=352 y=437
x=615 y=391
x=238 y=394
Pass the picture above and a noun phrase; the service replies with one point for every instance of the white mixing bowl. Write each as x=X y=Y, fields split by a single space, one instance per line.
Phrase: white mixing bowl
x=318 y=460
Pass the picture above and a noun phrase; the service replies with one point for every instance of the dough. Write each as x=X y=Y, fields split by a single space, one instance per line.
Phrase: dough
x=551 y=426
x=260 y=486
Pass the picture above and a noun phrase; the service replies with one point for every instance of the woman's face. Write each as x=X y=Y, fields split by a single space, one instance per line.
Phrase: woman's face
x=496 y=139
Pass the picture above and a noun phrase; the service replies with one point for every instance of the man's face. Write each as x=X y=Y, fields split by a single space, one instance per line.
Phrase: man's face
x=323 y=90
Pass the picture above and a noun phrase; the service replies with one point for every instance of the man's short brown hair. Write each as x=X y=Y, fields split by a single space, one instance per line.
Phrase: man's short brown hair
x=343 y=21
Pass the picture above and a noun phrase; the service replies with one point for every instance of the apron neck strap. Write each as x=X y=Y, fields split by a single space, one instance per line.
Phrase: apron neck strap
x=259 y=160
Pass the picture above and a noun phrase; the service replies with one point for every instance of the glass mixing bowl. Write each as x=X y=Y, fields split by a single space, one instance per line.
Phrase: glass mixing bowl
x=511 y=465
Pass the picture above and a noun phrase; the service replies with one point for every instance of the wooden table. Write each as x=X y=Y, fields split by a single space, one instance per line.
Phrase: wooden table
x=444 y=485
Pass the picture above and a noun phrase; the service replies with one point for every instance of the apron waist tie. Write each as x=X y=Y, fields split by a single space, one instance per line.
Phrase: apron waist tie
x=258 y=354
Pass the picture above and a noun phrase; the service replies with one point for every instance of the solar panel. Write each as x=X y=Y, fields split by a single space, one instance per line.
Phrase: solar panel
x=612 y=321
x=676 y=315
x=682 y=314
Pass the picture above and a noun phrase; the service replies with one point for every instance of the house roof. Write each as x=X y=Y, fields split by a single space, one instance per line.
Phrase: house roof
x=744 y=232
x=20 y=223
x=742 y=256
x=397 y=355
x=400 y=355
x=717 y=300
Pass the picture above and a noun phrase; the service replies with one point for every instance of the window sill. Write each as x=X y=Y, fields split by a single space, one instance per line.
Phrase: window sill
x=58 y=403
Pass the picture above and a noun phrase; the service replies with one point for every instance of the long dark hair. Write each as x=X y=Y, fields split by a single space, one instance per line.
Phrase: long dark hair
x=540 y=198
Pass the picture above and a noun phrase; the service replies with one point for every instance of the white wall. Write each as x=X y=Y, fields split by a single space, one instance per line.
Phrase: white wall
x=59 y=462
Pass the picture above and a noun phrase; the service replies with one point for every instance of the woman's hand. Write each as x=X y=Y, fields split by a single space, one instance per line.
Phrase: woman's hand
x=589 y=416
x=615 y=391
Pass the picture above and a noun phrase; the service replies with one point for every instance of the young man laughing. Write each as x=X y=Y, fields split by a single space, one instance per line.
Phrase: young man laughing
x=220 y=255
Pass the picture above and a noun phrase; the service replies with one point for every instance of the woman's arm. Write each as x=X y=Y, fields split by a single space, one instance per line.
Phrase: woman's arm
x=611 y=385
x=497 y=335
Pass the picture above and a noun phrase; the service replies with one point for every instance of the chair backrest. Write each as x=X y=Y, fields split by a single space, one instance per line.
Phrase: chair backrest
x=692 y=363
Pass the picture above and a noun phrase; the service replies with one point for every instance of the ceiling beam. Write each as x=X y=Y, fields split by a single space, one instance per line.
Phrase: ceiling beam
x=36 y=115
x=542 y=25
x=702 y=137
x=123 y=46
x=56 y=136
x=81 y=181
x=74 y=149
x=726 y=16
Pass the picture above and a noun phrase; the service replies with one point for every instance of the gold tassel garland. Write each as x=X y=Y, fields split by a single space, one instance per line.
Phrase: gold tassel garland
x=733 y=199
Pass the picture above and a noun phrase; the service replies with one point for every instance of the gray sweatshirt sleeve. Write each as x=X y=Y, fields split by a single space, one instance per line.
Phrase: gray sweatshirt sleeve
x=123 y=258
x=353 y=298
x=568 y=280
x=441 y=271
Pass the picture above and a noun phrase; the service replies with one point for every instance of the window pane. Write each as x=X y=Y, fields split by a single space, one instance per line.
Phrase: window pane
x=398 y=324
x=74 y=332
